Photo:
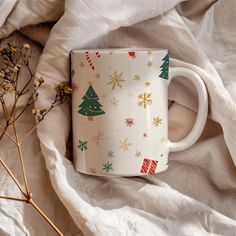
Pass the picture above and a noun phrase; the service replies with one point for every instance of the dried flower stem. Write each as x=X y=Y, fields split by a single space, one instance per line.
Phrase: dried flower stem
x=29 y=133
x=9 y=78
x=5 y=132
x=13 y=198
x=13 y=177
x=30 y=201
x=21 y=158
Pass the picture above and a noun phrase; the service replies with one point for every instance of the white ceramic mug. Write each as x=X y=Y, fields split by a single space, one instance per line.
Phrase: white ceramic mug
x=120 y=111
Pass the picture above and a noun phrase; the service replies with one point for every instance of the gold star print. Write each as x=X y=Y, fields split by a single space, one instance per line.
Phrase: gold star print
x=147 y=83
x=115 y=102
x=81 y=64
x=149 y=64
x=136 y=77
x=130 y=94
x=97 y=76
x=99 y=137
x=138 y=154
x=93 y=170
x=162 y=140
x=125 y=145
x=156 y=121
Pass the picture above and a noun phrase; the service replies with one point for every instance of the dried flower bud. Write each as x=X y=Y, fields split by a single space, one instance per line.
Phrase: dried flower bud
x=67 y=90
x=34 y=111
x=7 y=88
x=15 y=69
x=7 y=71
x=64 y=89
x=12 y=49
x=13 y=44
x=42 y=111
x=2 y=74
x=6 y=62
x=38 y=81
x=26 y=46
x=39 y=113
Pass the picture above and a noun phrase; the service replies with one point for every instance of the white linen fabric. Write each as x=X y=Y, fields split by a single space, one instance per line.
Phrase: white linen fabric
x=197 y=194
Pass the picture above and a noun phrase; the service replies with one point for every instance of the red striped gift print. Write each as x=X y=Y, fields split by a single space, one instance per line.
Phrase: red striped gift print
x=149 y=166
x=153 y=167
x=145 y=165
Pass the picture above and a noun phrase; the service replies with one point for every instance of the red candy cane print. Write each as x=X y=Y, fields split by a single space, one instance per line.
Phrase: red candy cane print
x=97 y=54
x=89 y=60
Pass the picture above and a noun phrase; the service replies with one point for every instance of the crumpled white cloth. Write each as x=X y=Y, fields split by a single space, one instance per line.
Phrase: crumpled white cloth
x=196 y=195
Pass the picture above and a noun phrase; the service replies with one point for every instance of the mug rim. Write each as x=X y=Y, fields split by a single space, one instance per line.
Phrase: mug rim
x=120 y=49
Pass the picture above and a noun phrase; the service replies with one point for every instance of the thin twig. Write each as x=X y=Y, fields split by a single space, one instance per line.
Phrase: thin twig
x=13 y=198
x=5 y=129
x=5 y=132
x=30 y=201
x=27 y=83
x=21 y=158
x=7 y=115
x=29 y=133
x=13 y=177
x=27 y=104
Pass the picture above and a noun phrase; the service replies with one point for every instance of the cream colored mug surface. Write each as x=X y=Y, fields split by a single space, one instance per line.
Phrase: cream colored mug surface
x=120 y=111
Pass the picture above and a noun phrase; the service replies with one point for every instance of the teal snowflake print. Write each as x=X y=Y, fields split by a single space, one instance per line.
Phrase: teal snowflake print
x=107 y=167
x=110 y=154
x=83 y=145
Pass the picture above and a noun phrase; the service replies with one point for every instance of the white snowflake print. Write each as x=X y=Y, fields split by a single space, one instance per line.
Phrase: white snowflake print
x=115 y=102
x=144 y=99
x=116 y=80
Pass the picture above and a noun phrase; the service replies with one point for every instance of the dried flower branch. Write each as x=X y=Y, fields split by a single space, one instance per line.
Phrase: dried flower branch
x=13 y=59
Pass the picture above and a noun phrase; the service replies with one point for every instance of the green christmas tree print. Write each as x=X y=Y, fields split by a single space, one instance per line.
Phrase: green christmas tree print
x=165 y=67
x=90 y=106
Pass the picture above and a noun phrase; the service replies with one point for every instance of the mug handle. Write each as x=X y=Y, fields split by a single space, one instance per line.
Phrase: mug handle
x=198 y=127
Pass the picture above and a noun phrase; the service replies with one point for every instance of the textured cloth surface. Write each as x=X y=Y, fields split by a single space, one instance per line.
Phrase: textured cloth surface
x=197 y=194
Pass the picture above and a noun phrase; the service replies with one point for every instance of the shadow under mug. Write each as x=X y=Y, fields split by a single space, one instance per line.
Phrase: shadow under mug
x=120 y=111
